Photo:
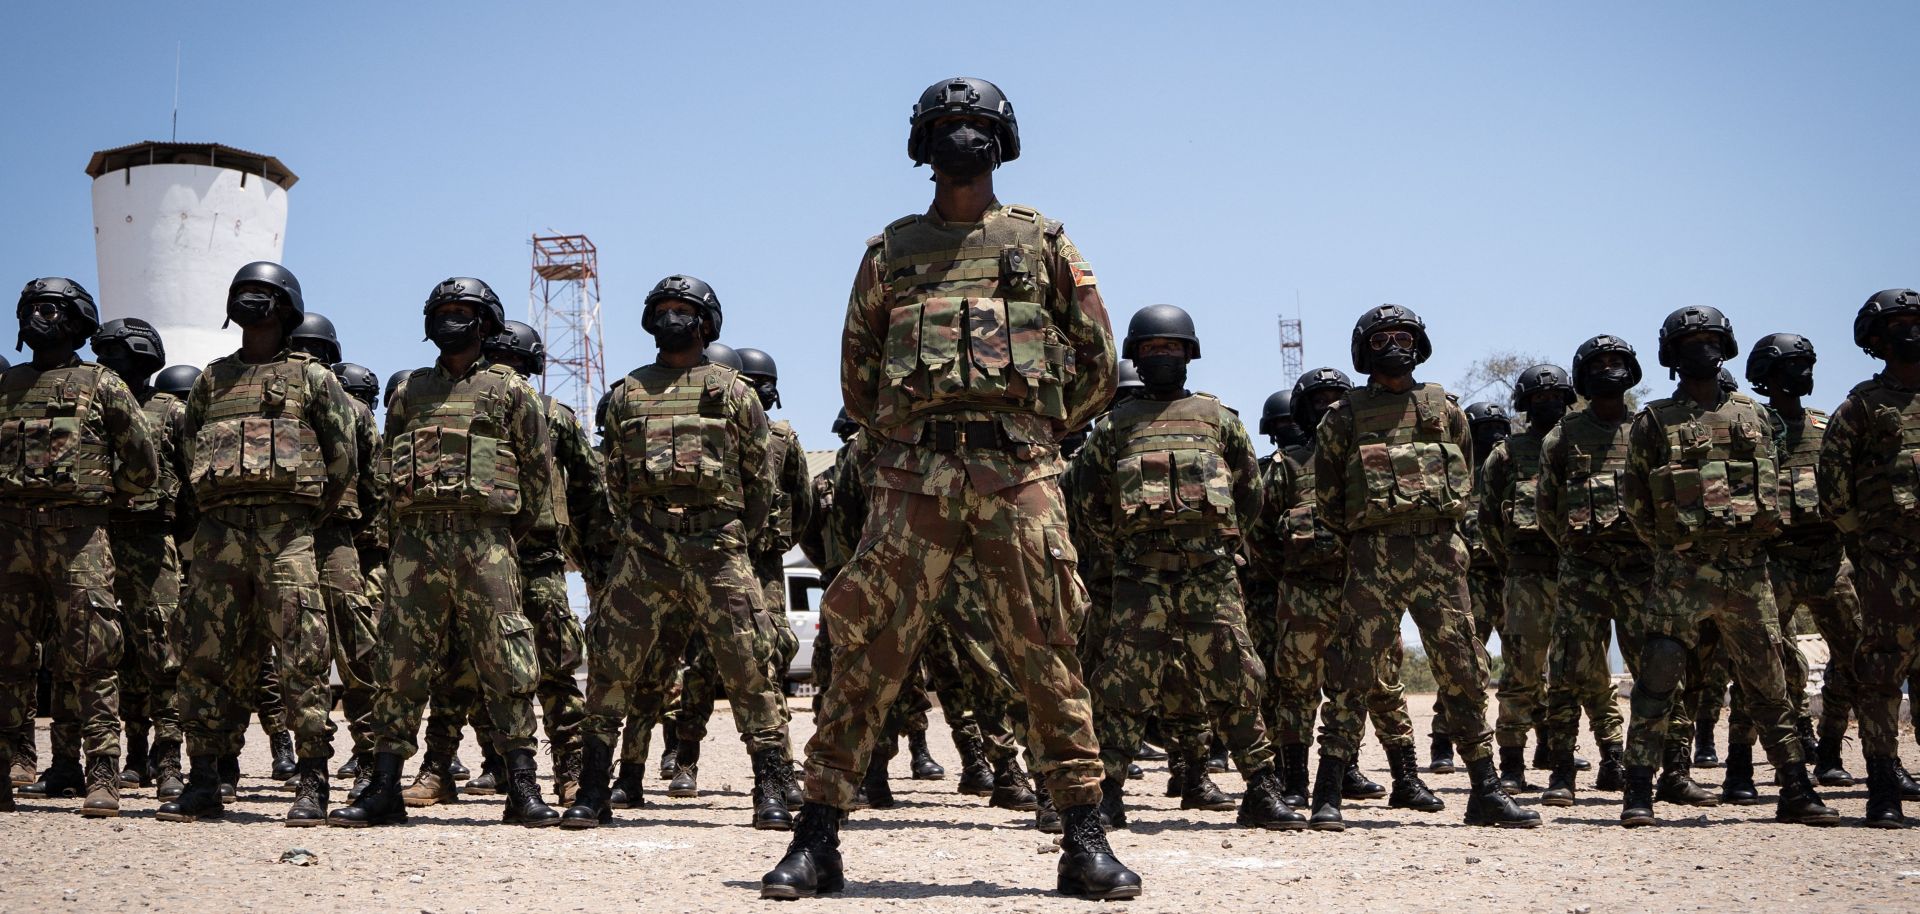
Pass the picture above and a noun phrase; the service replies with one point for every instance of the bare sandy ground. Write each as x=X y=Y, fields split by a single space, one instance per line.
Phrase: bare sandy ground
x=942 y=851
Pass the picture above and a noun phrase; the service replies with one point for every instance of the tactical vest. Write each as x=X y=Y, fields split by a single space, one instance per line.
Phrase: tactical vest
x=1519 y=504
x=254 y=438
x=1406 y=466
x=52 y=439
x=970 y=327
x=1171 y=470
x=780 y=513
x=452 y=452
x=1887 y=469
x=1720 y=479
x=678 y=443
x=1590 y=486
x=1799 y=457
x=160 y=410
x=1307 y=542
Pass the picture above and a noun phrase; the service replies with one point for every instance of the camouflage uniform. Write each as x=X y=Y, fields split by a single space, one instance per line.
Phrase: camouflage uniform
x=72 y=439
x=472 y=478
x=271 y=451
x=1604 y=576
x=350 y=617
x=146 y=578
x=1701 y=488
x=1394 y=473
x=1866 y=479
x=970 y=350
x=1509 y=519
x=585 y=534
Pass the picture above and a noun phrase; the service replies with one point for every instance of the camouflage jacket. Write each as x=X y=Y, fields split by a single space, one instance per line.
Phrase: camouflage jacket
x=1869 y=469
x=231 y=387
x=792 y=505
x=72 y=435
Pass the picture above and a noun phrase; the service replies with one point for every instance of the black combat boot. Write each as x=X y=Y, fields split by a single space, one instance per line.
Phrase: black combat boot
x=669 y=754
x=1613 y=772
x=1737 y=787
x=284 y=763
x=168 y=780
x=103 y=787
x=686 y=772
x=1148 y=752
x=976 y=776
x=591 y=805
x=1677 y=785
x=1113 y=804
x=63 y=780
x=6 y=783
x=229 y=768
x=1442 y=755
x=1217 y=761
x=1045 y=817
x=1327 y=779
x=380 y=803
x=627 y=792
x=1563 y=782
x=1799 y=802
x=362 y=775
x=309 y=794
x=200 y=799
x=879 y=792
x=1197 y=790
x=1135 y=772
x=493 y=772
x=1010 y=789
x=1636 y=805
x=1883 y=795
x=1293 y=775
x=1489 y=803
x=1909 y=788
x=1088 y=867
x=432 y=784
x=795 y=796
x=524 y=805
x=1704 y=755
x=1262 y=806
x=812 y=864
x=350 y=769
x=456 y=770
x=771 y=772
x=1357 y=786
x=1176 y=774
x=139 y=768
x=1826 y=765
x=1513 y=769
x=1409 y=792
x=924 y=767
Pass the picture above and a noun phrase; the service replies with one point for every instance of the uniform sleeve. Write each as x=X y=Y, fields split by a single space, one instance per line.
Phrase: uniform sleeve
x=1646 y=449
x=136 y=460
x=532 y=443
x=813 y=543
x=374 y=475
x=750 y=422
x=1839 y=452
x=593 y=537
x=614 y=460
x=1248 y=491
x=1493 y=477
x=1091 y=492
x=1553 y=473
x=1266 y=536
x=862 y=346
x=798 y=485
x=186 y=509
x=849 y=513
x=1330 y=456
x=1089 y=333
x=331 y=417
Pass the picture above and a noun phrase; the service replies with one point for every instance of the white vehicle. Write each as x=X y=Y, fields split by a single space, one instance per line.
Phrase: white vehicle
x=803 y=613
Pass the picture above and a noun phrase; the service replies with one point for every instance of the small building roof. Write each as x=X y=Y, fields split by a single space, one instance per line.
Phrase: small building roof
x=153 y=152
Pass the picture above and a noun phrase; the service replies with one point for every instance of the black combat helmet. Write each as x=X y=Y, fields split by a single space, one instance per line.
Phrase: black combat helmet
x=72 y=296
x=969 y=97
x=1692 y=318
x=1485 y=412
x=142 y=342
x=723 y=354
x=176 y=380
x=1771 y=349
x=278 y=278
x=692 y=291
x=1882 y=305
x=1168 y=321
x=317 y=332
x=1311 y=382
x=1387 y=317
x=1276 y=412
x=1538 y=378
x=393 y=384
x=358 y=381
x=1594 y=347
x=519 y=339
x=493 y=317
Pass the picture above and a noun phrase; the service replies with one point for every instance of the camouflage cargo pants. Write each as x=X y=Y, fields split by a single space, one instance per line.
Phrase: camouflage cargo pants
x=1299 y=670
x=254 y=586
x=1887 y=577
x=561 y=643
x=1596 y=598
x=350 y=620
x=882 y=607
x=1524 y=644
x=455 y=573
x=1725 y=585
x=146 y=579
x=1821 y=580
x=666 y=586
x=1390 y=574
x=1487 y=588
x=56 y=586
x=1264 y=625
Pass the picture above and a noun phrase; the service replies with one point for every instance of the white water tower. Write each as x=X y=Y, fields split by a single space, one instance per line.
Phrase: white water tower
x=171 y=224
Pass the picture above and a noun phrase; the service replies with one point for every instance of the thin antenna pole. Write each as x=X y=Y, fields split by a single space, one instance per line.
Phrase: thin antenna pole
x=176 y=92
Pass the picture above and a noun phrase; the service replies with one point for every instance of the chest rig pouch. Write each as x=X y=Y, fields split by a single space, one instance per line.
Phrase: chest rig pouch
x=1596 y=462
x=680 y=438
x=452 y=452
x=1887 y=486
x=255 y=439
x=1171 y=471
x=1720 y=478
x=1406 y=466
x=51 y=445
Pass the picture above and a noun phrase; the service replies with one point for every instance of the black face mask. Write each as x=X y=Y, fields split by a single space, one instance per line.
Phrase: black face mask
x=1904 y=343
x=1699 y=359
x=769 y=394
x=673 y=331
x=119 y=361
x=1394 y=361
x=313 y=348
x=39 y=332
x=1542 y=414
x=1290 y=435
x=964 y=152
x=1163 y=374
x=249 y=309
x=1609 y=382
x=453 y=333
x=1485 y=437
x=1791 y=378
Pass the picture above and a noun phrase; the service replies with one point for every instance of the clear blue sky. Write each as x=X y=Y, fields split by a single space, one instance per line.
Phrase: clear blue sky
x=1524 y=175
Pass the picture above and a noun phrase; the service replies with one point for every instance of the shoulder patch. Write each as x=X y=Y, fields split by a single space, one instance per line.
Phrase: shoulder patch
x=1817 y=420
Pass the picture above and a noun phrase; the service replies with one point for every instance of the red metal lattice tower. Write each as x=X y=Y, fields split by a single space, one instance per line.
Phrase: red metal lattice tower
x=564 y=305
x=1292 y=349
